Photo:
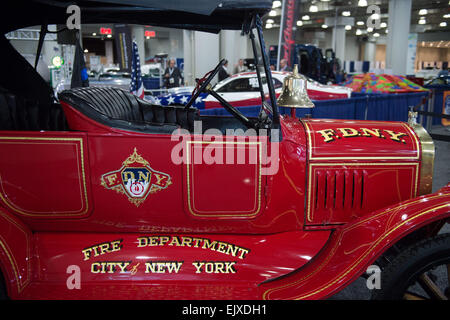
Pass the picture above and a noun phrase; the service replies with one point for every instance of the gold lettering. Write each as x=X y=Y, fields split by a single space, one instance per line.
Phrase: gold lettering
x=159 y=178
x=221 y=247
x=219 y=267
x=230 y=267
x=371 y=132
x=94 y=267
x=111 y=179
x=233 y=250
x=174 y=266
x=116 y=245
x=174 y=241
x=110 y=267
x=209 y=267
x=163 y=267
x=163 y=240
x=87 y=253
x=150 y=267
x=143 y=177
x=243 y=253
x=186 y=241
x=196 y=241
x=104 y=248
x=348 y=132
x=153 y=241
x=142 y=242
x=123 y=266
x=198 y=266
x=209 y=245
x=214 y=266
x=395 y=136
x=127 y=174
x=327 y=134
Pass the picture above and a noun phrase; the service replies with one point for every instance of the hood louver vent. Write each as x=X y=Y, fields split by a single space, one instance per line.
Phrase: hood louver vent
x=338 y=191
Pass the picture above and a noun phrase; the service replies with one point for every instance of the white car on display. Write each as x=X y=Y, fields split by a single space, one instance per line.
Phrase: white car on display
x=241 y=90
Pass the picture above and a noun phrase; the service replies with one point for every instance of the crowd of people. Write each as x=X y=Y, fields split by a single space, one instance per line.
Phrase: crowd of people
x=238 y=68
x=173 y=77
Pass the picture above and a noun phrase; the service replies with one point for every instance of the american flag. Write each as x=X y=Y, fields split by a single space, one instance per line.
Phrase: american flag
x=136 y=86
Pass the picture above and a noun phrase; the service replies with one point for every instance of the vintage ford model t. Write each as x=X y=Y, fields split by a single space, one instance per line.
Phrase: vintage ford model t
x=106 y=196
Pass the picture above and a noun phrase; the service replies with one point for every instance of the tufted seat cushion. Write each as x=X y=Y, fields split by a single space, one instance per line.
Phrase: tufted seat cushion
x=120 y=109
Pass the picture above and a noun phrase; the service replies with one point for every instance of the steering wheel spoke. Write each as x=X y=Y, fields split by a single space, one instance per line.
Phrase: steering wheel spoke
x=203 y=86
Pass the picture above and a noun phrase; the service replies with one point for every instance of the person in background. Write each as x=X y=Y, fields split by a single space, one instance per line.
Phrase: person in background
x=172 y=75
x=240 y=67
x=444 y=71
x=272 y=67
x=223 y=72
x=284 y=66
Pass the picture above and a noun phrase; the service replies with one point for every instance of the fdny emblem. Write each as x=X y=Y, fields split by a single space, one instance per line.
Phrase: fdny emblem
x=136 y=179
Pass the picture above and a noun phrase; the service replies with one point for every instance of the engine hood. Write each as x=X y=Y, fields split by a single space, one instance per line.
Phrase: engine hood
x=360 y=140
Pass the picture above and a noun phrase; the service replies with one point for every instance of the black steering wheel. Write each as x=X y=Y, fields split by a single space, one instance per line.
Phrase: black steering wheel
x=203 y=83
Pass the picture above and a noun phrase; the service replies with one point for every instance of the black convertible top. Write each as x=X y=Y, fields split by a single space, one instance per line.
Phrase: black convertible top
x=204 y=15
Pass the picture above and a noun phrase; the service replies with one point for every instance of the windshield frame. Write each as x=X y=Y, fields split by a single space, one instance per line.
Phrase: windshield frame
x=256 y=25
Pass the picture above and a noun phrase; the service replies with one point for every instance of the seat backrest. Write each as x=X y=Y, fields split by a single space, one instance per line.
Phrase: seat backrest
x=118 y=108
x=111 y=102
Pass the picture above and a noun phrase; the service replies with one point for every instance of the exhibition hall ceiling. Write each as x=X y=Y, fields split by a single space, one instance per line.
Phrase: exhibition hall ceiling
x=426 y=15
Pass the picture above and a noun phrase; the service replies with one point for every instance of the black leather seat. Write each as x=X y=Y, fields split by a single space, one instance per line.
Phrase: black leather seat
x=118 y=108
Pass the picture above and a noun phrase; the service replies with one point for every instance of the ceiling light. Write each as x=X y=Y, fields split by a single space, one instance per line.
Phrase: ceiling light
x=94 y=34
x=383 y=25
x=346 y=13
x=269 y=26
x=375 y=16
x=376 y=35
x=369 y=29
x=276 y=4
x=423 y=12
x=147 y=38
x=86 y=50
x=443 y=24
x=313 y=8
x=305 y=17
x=109 y=36
x=422 y=21
x=360 y=23
x=387 y=31
x=324 y=26
x=358 y=32
x=348 y=27
x=269 y=21
x=446 y=15
x=272 y=13
x=362 y=3
x=299 y=23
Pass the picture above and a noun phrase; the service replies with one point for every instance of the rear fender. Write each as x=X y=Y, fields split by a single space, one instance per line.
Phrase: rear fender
x=15 y=253
x=355 y=246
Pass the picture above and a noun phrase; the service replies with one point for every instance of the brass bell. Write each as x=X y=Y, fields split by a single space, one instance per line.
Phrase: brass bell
x=294 y=94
